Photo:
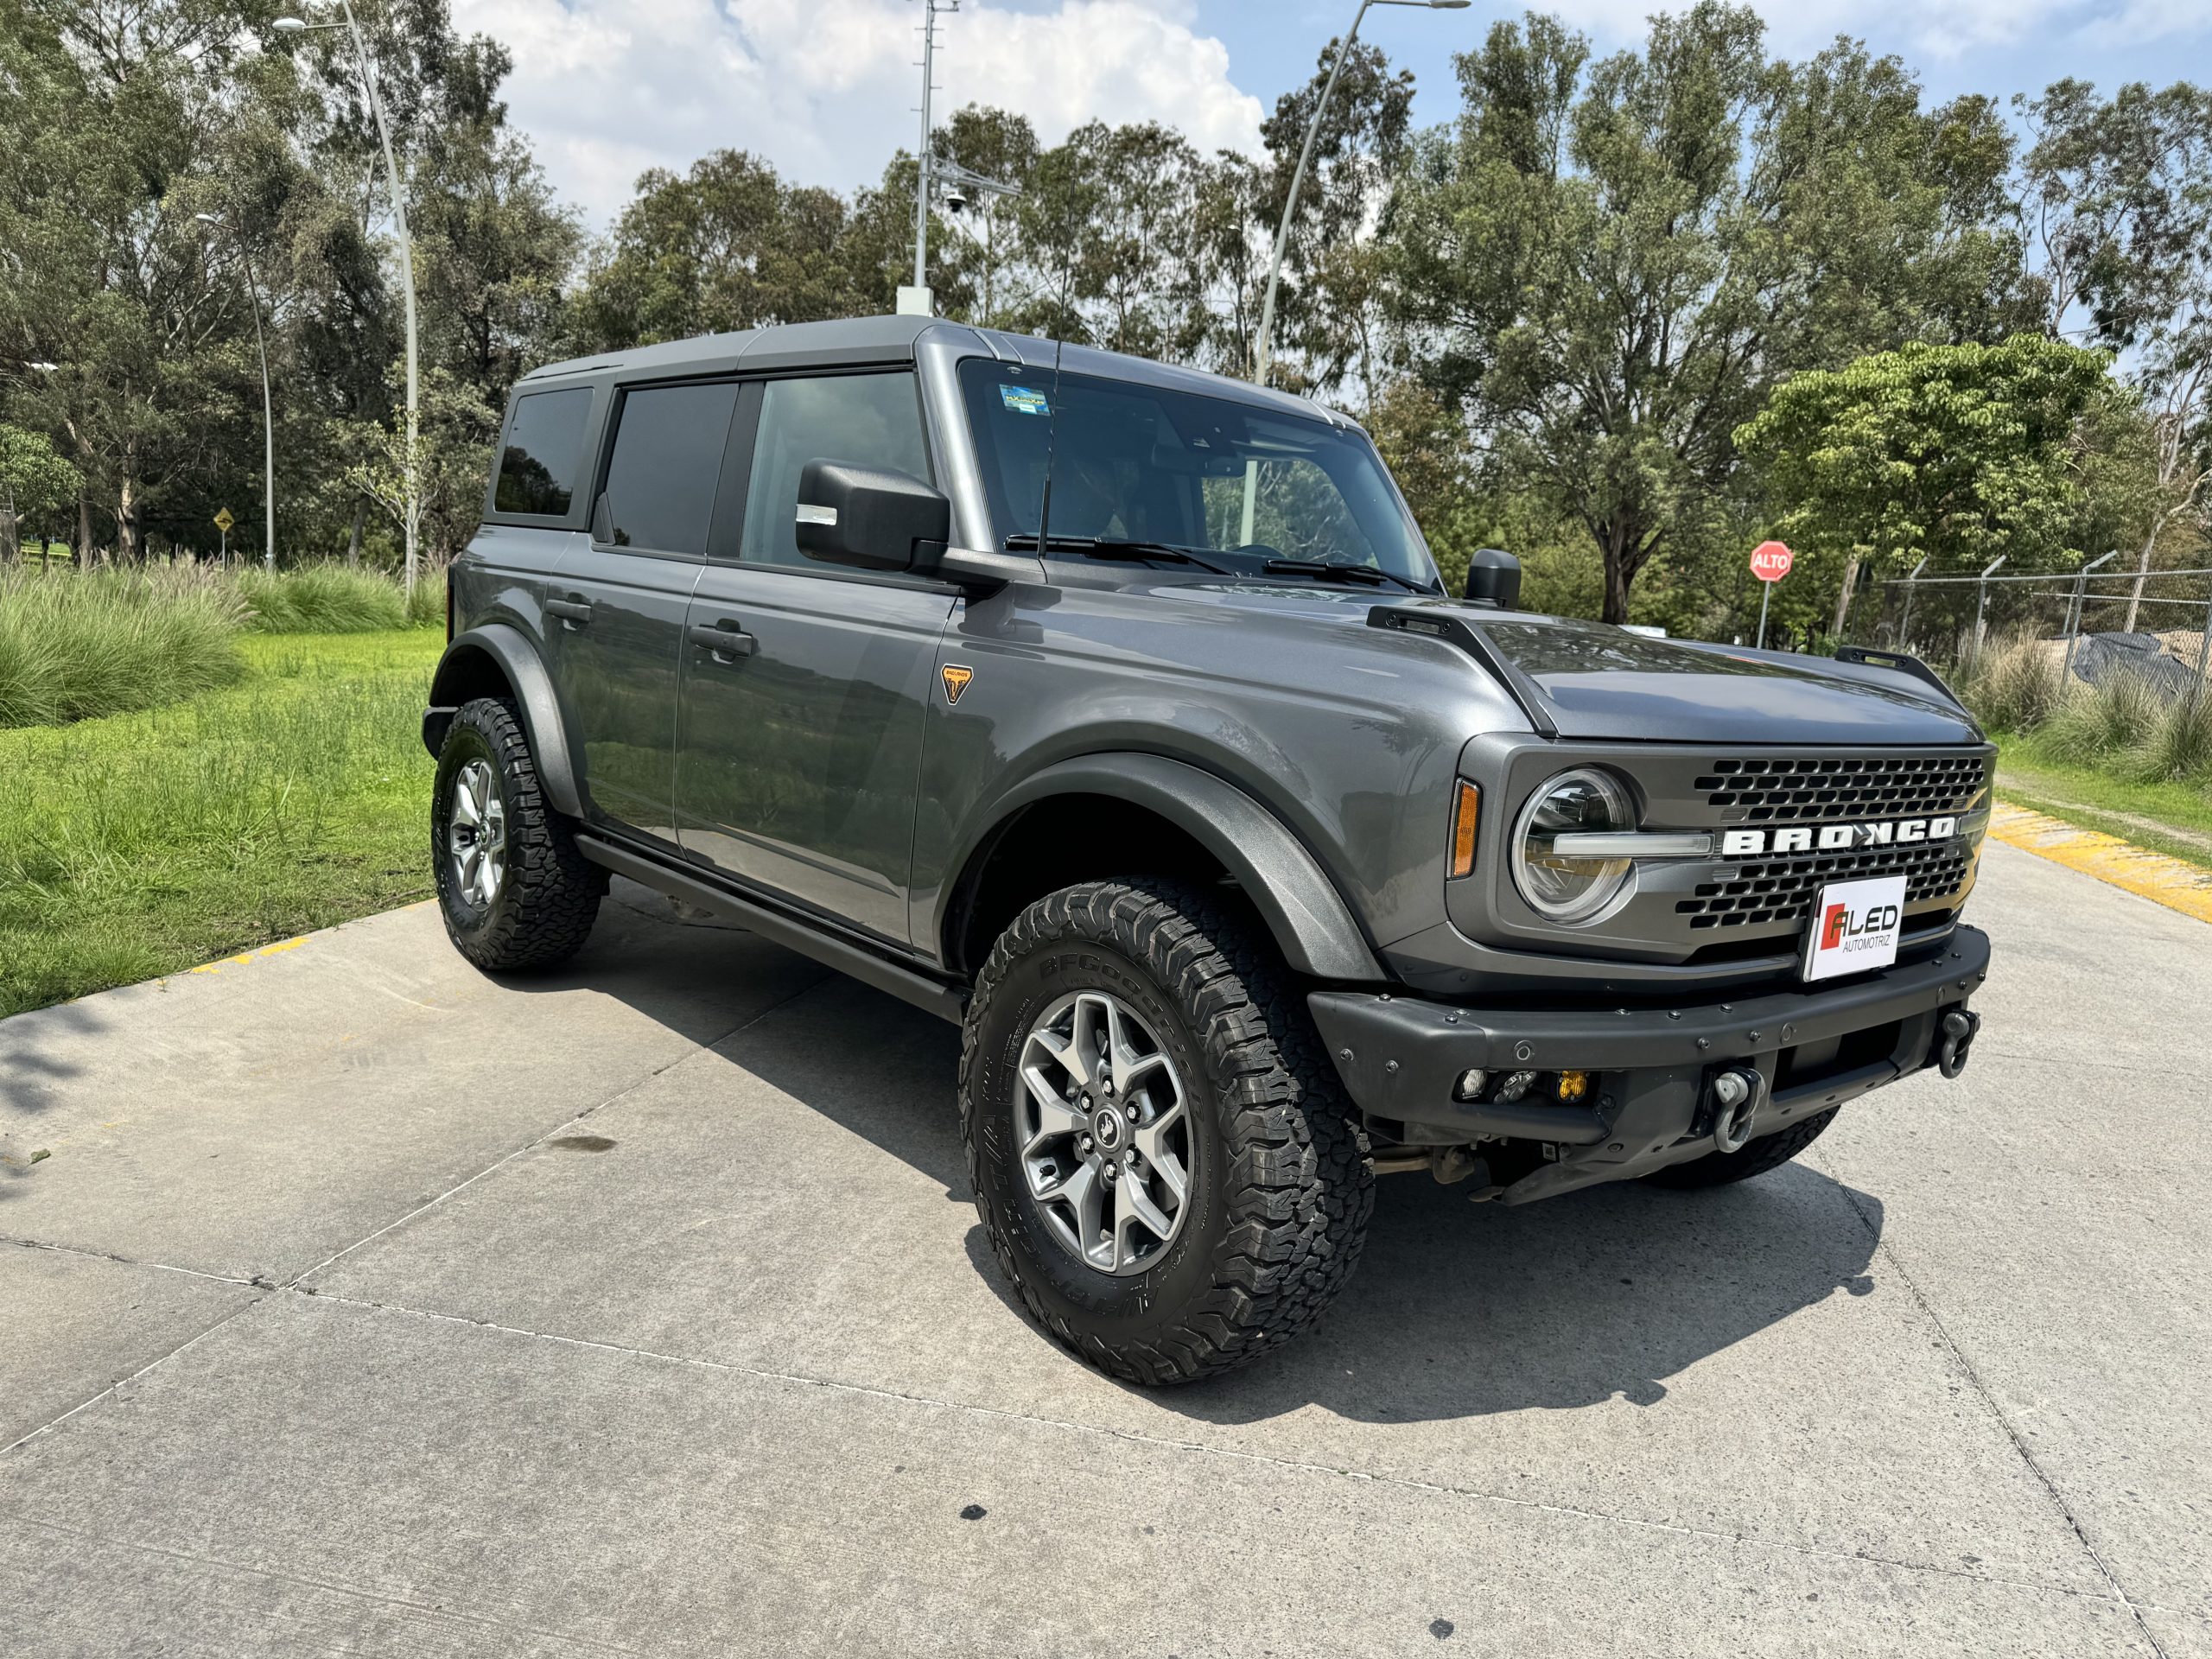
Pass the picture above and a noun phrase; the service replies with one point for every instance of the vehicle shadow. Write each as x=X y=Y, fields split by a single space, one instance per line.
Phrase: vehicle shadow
x=1456 y=1309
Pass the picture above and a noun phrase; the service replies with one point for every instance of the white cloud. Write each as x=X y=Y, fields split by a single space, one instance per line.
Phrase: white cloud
x=825 y=89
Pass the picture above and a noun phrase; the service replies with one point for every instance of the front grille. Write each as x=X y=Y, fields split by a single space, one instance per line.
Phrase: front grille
x=1767 y=890
x=1859 y=786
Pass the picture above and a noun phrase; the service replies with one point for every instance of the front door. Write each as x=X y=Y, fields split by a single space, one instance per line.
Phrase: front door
x=620 y=599
x=802 y=739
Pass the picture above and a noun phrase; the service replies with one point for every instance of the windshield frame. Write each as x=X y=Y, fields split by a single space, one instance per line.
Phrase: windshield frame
x=1010 y=529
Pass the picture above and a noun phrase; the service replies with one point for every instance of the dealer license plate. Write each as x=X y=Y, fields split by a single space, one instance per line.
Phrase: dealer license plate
x=1854 y=927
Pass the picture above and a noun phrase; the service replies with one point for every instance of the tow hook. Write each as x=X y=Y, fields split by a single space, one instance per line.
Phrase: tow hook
x=1960 y=1028
x=1735 y=1098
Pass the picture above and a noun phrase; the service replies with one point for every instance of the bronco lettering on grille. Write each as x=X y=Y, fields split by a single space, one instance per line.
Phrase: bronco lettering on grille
x=1834 y=837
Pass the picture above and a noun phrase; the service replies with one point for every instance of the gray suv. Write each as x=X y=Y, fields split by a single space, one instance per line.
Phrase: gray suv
x=1116 y=713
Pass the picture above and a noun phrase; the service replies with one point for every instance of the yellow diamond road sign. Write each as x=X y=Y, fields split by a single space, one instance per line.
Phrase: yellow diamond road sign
x=224 y=521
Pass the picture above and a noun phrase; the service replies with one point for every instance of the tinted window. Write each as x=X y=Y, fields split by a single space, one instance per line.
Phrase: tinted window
x=544 y=451
x=668 y=455
x=867 y=420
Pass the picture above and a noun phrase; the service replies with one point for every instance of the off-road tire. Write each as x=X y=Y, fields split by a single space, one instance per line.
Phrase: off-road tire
x=1282 y=1183
x=1752 y=1158
x=549 y=897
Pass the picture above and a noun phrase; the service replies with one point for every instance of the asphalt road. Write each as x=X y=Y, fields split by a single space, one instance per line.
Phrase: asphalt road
x=366 y=1306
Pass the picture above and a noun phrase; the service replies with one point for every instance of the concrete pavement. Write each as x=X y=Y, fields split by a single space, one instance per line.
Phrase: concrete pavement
x=366 y=1304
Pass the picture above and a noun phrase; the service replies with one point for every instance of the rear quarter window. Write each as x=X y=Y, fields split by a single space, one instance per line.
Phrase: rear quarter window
x=543 y=454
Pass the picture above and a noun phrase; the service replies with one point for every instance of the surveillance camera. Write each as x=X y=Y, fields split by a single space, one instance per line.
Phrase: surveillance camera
x=957 y=200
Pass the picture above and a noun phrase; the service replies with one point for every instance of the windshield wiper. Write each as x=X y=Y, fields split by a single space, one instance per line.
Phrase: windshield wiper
x=1115 y=547
x=1323 y=569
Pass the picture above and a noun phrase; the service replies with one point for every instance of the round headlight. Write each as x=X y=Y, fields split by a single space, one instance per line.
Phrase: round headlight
x=1566 y=886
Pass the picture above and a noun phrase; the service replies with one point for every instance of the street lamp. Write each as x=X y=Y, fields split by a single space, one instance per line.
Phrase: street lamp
x=295 y=26
x=917 y=300
x=268 y=418
x=1305 y=155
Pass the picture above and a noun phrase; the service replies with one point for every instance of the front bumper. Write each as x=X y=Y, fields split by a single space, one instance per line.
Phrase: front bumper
x=1649 y=1101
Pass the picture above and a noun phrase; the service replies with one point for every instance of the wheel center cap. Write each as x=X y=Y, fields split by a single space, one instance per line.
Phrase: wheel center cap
x=1106 y=1127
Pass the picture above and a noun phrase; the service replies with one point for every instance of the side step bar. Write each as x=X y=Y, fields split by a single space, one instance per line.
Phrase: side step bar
x=946 y=1001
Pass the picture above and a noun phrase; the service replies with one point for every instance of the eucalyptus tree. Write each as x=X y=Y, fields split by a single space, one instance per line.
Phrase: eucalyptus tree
x=1611 y=263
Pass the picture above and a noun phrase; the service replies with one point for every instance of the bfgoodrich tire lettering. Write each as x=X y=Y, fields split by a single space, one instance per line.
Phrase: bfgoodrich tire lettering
x=541 y=908
x=1279 y=1185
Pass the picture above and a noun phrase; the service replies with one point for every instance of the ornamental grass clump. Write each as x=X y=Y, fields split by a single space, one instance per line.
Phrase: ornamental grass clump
x=77 y=645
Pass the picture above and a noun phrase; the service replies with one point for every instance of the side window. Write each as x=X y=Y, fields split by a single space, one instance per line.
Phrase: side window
x=867 y=419
x=543 y=453
x=668 y=454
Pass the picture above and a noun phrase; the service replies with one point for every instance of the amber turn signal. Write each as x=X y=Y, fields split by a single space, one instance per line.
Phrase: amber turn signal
x=1467 y=813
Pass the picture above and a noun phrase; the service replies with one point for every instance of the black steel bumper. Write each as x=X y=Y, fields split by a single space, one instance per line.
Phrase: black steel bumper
x=1648 y=1099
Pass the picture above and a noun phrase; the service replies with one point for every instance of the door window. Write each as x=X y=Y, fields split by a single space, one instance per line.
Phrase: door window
x=864 y=420
x=543 y=453
x=668 y=455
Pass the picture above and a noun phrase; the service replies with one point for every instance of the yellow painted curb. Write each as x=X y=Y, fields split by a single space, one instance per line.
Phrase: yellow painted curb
x=277 y=950
x=2154 y=876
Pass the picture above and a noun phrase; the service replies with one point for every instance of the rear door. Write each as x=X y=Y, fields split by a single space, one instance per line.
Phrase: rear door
x=620 y=598
x=802 y=737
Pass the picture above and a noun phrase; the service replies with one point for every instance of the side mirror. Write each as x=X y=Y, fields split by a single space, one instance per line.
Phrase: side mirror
x=1493 y=580
x=869 y=518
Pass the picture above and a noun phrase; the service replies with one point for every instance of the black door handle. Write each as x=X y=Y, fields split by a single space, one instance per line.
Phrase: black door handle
x=574 y=612
x=724 y=639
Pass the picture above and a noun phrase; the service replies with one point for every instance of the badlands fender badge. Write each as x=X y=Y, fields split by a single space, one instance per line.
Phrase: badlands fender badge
x=955 y=680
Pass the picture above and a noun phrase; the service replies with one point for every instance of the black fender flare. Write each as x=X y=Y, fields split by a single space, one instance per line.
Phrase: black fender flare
x=1313 y=927
x=511 y=652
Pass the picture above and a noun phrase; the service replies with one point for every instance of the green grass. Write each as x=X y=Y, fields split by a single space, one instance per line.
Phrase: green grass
x=73 y=645
x=2174 y=818
x=146 y=842
x=336 y=599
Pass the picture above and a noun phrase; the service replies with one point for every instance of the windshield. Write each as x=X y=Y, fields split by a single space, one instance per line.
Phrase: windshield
x=1233 y=486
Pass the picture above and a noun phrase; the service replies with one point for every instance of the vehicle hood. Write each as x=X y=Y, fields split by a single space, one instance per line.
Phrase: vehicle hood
x=1589 y=680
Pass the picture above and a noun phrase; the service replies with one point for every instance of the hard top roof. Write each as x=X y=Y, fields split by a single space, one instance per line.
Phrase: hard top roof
x=855 y=340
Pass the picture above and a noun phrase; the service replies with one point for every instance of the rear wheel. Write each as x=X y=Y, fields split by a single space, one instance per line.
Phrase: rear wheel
x=1753 y=1158
x=513 y=888
x=1161 y=1151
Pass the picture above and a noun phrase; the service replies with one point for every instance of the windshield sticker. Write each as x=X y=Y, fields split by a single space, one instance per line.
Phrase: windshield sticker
x=1024 y=400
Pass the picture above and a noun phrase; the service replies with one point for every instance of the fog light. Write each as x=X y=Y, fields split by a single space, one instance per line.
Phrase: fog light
x=1572 y=1085
x=1516 y=1086
x=1470 y=1086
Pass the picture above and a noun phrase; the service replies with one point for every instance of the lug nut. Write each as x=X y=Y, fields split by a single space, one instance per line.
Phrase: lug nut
x=1132 y=1114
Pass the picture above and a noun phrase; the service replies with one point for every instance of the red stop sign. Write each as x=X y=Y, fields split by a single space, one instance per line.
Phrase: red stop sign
x=1771 y=560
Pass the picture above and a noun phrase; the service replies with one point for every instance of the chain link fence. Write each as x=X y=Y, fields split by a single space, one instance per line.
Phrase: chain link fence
x=2097 y=620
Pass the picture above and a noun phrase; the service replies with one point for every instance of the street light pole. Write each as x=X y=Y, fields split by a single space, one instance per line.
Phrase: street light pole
x=268 y=417
x=917 y=299
x=293 y=26
x=1261 y=356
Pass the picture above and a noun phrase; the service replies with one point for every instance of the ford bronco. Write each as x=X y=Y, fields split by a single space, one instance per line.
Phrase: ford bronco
x=1117 y=714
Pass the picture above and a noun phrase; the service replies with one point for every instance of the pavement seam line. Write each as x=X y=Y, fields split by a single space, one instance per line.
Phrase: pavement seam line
x=252 y=1303
x=1883 y=1248
x=336 y=1586
x=1295 y=1465
x=536 y=1142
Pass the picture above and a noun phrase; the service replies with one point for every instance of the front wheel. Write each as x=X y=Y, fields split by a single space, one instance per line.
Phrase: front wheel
x=1161 y=1154
x=514 y=889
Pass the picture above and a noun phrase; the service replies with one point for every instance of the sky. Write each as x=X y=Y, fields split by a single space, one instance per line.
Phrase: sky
x=826 y=90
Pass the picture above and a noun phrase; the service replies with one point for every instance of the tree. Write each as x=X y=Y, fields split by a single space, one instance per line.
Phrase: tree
x=1329 y=305
x=1957 y=453
x=1610 y=264
x=2115 y=200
